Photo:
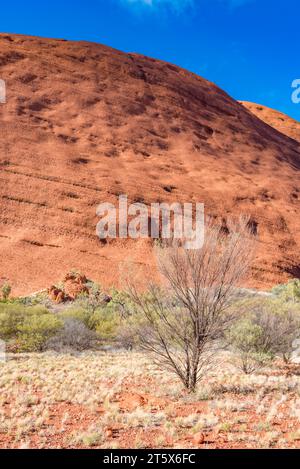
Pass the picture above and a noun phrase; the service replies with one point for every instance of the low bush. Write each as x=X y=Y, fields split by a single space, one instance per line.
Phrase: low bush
x=73 y=336
x=35 y=330
x=6 y=291
x=77 y=313
x=279 y=320
x=27 y=327
x=97 y=314
x=246 y=339
x=106 y=324
x=128 y=336
x=13 y=315
x=289 y=291
x=266 y=327
x=103 y=321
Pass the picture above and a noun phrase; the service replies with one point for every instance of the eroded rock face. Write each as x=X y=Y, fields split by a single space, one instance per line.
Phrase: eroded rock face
x=84 y=123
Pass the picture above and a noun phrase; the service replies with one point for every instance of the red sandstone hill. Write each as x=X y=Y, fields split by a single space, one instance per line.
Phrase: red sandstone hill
x=276 y=119
x=84 y=123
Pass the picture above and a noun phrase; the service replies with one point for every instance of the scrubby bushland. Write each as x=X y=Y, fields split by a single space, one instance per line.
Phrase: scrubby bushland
x=184 y=322
x=106 y=318
x=35 y=330
x=13 y=315
x=245 y=338
x=129 y=332
x=280 y=322
x=77 y=313
x=289 y=291
x=73 y=336
x=266 y=328
x=106 y=324
x=27 y=328
x=102 y=320
x=93 y=300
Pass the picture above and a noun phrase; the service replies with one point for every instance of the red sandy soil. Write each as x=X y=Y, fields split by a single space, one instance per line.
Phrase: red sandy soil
x=85 y=123
x=276 y=119
x=233 y=414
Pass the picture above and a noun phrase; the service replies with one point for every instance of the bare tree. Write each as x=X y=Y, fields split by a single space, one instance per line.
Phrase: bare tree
x=184 y=319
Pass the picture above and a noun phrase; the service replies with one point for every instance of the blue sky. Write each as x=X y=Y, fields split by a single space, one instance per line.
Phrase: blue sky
x=250 y=48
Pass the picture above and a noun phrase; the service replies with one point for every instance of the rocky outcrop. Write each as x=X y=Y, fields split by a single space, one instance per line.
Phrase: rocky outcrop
x=56 y=294
x=75 y=284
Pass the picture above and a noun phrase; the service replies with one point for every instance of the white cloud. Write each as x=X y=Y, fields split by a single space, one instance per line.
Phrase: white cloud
x=179 y=5
x=174 y=4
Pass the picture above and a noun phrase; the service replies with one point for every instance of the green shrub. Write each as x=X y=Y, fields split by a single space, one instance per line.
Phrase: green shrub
x=6 y=291
x=114 y=320
x=97 y=315
x=90 y=302
x=35 y=330
x=79 y=313
x=289 y=291
x=12 y=315
x=121 y=304
x=105 y=323
x=28 y=327
x=246 y=338
x=245 y=335
x=266 y=327
x=280 y=321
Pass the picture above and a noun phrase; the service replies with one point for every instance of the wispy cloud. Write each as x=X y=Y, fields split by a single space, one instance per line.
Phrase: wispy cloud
x=179 y=5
